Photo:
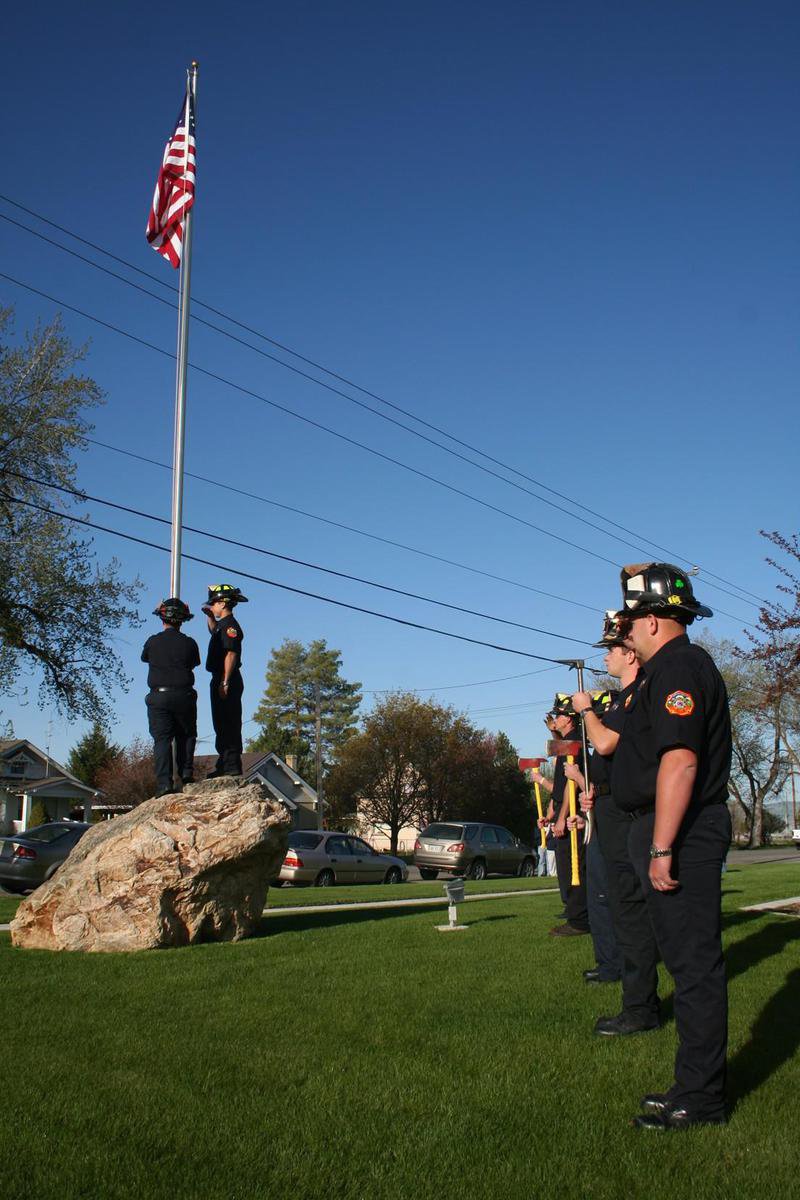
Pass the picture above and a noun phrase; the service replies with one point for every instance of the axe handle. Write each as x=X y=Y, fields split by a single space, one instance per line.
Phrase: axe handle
x=585 y=756
x=539 y=810
x=573 y=833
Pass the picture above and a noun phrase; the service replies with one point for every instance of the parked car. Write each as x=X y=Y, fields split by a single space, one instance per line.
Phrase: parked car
x=471 y=848
x=28 y=859
x=328 y=858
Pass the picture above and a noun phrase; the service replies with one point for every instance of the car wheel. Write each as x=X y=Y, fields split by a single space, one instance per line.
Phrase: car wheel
x=527 y=868
x=477 y=869
x=393 y=875
x=428 y=872
x=325 y=879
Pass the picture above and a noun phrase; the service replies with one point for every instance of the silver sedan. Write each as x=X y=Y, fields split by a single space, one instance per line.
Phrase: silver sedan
x=327 y=858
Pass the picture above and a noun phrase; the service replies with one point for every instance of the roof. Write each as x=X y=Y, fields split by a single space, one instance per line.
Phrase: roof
x=7 y=745
x=205 y=763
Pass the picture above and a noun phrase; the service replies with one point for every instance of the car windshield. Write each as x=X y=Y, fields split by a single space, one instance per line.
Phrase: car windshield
x=443 y=831
x=46 y=833
x=304 y=841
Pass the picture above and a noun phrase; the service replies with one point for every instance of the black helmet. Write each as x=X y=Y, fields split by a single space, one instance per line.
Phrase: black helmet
x=227 y=592
x=173 y=611
x=614 y=630
x=602 y=701
x=662 y=589
x=562 y=706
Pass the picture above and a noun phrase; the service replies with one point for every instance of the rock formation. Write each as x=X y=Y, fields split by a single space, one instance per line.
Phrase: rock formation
x=192 y=867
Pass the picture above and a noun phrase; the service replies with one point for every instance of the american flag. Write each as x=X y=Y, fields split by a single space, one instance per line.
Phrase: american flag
x=174 y=194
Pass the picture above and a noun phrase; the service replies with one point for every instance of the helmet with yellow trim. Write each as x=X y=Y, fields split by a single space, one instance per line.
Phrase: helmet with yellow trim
x=661 y=589
x=226 y=592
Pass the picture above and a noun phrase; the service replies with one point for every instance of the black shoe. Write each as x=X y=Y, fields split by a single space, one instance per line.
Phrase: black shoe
x=622 y=1025
x=595 y=975
x=568 y=930
x=215 y=774
x=675 y=1118
x=655 y=1103
x=168 y=791
x=562 y=916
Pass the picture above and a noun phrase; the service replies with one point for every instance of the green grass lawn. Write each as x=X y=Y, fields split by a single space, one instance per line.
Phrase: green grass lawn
x=363 y=1054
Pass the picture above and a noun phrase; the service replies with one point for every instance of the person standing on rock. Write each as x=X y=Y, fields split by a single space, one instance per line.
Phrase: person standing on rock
x=224 y=661
x=172 y=700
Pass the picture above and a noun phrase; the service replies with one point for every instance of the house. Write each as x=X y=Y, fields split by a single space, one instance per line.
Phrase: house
x=28 y=774
x=280 y=779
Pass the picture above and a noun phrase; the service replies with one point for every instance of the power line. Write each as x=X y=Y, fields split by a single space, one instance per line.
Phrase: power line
x=309 y=421
x=365 y=391
x=447 y=687
x=295 y=561
x=328 y=387
x=129 y=537
x=348 y=528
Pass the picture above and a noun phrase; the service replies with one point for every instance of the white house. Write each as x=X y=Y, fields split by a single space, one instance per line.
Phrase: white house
x=28 y=774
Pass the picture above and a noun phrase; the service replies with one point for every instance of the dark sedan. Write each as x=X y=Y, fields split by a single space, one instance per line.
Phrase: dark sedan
x=28 y=859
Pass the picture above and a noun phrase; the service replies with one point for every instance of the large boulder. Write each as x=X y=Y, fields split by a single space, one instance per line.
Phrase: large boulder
x=192 y=867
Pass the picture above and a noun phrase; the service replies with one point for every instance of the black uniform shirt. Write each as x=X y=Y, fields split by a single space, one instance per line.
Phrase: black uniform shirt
x=679 y=701
x=614 y=719
x=172 y=657
x=226 y=637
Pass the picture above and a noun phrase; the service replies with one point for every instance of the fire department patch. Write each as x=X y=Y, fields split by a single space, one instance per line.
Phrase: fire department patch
x=680 y=704
x=231 y=632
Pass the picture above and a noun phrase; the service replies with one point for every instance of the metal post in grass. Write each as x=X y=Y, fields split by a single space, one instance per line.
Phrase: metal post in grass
x=454 y=888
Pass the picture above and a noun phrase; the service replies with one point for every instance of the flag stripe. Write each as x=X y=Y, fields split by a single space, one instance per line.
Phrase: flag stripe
x=175 y=187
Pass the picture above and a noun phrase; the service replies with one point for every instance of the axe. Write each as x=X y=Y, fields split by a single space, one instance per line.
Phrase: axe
x=578 y=664
x=570 y=751
x=532 y=764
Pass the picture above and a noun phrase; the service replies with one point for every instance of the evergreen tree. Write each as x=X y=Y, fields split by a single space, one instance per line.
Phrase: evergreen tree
x=287 y=712
x=91 y=754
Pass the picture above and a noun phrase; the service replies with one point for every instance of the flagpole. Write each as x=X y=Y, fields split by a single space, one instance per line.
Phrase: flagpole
x=182 y=363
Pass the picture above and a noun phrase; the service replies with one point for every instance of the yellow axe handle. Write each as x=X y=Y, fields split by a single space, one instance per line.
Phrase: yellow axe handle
x=573 y=833
x=539 y=811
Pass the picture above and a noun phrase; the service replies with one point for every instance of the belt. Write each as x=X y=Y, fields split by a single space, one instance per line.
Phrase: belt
x=172 y=689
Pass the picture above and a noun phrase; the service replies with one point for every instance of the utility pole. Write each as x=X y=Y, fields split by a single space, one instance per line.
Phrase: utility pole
x=319 y=755
x=794 y=804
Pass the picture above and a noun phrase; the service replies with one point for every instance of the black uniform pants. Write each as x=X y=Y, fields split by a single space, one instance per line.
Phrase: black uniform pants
x=629 y=914
x=227 y=717
x=172 y=718
x=574 y=895
x=687 y=924
x=606 y=951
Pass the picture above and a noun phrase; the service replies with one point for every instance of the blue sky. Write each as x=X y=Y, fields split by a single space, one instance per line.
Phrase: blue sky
x=565 y=232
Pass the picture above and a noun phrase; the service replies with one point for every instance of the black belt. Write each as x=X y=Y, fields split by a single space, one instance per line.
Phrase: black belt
x=172 y=689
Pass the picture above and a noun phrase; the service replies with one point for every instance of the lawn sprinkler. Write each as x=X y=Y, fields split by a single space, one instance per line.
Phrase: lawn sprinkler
x=570 y=751
x=455 y=895
x=533 y=764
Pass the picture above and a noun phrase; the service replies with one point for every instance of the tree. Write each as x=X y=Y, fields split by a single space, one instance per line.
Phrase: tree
x=91 y=754
x=416 y=762
x=287 y=712
x=130 y=777
x=376 y=769
x=757 y=708
x=58 y=609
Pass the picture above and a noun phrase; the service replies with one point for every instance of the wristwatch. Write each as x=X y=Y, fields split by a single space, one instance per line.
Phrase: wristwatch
x=655 y=852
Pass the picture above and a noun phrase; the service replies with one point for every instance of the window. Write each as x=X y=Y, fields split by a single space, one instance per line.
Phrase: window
x=46 y=833
x=360 y=847
x=337 y=845
x=304 y=841
x=470 y=831
x=489 y=836
x=451 y=833
x=506 y=839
